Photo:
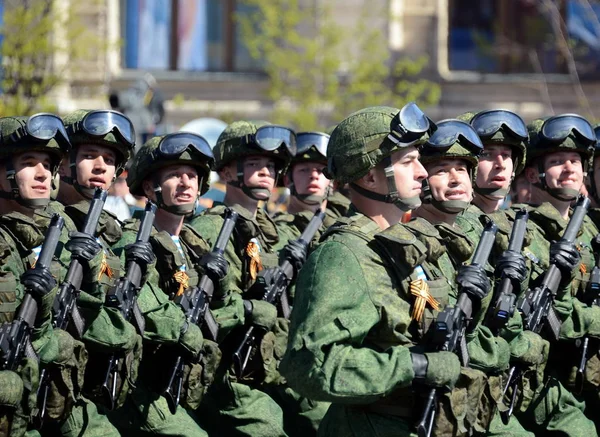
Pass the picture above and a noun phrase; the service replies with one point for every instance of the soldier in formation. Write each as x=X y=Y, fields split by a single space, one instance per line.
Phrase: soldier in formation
x=422 y=305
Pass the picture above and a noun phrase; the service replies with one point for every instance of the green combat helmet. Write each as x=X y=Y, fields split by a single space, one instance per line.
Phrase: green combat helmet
x=370 y=136
x=103 y=127
x=184 y=148
x=452 y=139
x=310 y=147
x=246 y=138
x=560 y=133
x=41 y=132
x=500 y=127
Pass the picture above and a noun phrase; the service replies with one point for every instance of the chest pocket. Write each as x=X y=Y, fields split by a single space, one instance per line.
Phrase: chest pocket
x=440 y=290
x=176 y=272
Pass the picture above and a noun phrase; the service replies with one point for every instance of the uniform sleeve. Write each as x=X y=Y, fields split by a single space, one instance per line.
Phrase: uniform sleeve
x=583 y=320
x=326 y=357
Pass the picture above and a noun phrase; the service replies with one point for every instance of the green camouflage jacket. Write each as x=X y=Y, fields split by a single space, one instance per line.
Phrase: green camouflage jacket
x=351 y=330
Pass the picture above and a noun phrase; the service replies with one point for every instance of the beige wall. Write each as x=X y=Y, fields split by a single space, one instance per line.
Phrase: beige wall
x=413 y=28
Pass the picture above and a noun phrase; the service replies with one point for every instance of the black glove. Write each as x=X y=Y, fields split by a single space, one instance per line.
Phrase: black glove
x=512 y=264
x=295 y=253
x=141 y=253
x=39 y=282
x=566 y=257
x=83 y=246
x=473 y=280
x=215 y=265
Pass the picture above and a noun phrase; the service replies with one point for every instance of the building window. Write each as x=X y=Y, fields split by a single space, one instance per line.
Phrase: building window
x=188 y=35
x=510 y=36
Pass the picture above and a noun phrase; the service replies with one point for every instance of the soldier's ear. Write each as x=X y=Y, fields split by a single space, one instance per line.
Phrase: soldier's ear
x=532 y=175
x=228 y=173
x=148 y=189
x=370 y=180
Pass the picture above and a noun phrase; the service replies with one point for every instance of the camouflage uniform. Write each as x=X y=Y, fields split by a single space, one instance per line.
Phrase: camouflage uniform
x=258 y=404
x=167 y=333
x=352 y=338
x=68 y=412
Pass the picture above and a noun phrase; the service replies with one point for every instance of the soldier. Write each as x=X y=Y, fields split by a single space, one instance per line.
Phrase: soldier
x=309 y=187
x=558 y=158
x=172 y=171
x=249 y=157
x=32 y=149
x=102 y=143
x=353 y=341
x=452 y=172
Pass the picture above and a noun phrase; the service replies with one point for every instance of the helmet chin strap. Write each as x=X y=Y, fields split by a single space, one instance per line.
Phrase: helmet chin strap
x=491 y=193
x=256 y=193
x=86 y=192
x=183 y=209
x=562 y=194
x=393 y=197
x=15 y=194
x=446 y=206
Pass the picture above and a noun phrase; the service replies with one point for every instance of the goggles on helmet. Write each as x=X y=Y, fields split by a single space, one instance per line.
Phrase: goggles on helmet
x=270 y=138
x=306 y=140
x=409 y=124
x=171 y=146
x=43 y=127
x=487 y=123
x=449 y=132
x=557 y=129
x=100 y=123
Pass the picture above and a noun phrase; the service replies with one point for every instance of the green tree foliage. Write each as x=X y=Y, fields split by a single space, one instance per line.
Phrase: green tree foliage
x=315 y=76
x=37 y=36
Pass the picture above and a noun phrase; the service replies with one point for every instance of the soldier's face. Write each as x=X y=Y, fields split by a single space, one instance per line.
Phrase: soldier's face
x=409 y=173
x=449 y=179
x=308 y=178
x=495 y=167
x=564 y=170
x=259 y=172
x=32 y=175
x=96 y=166
x=179 y=184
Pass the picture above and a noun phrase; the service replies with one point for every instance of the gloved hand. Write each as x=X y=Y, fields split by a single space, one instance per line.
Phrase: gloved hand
x=141 y=253
x=436 y=369
x=83 y=246
x=473 y=280
x=295 y=253
x=512 y=264
x=260 y=313
x=215 y=265
x=39 y=282
x=191 y=339
x=566 y=257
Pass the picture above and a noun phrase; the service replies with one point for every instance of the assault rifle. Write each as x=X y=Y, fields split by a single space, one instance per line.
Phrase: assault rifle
x=536 y=306
x=271 y=286
x=123 y=296
x=504 y=301
x=65 y=304
x=195 y=304
x=15 y=336
x=451 y=326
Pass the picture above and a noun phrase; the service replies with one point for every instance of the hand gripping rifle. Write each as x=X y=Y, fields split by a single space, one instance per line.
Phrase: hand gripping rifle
x=195 y=304
x=451 y=325
x=123 y=296
x=504 y=302
x=65 y=304
x=536 y=306
x=15 y=337
x=271 y=286
x=503 y=305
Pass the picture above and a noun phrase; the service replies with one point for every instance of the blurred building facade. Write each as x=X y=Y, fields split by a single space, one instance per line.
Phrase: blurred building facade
x=535 y=57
